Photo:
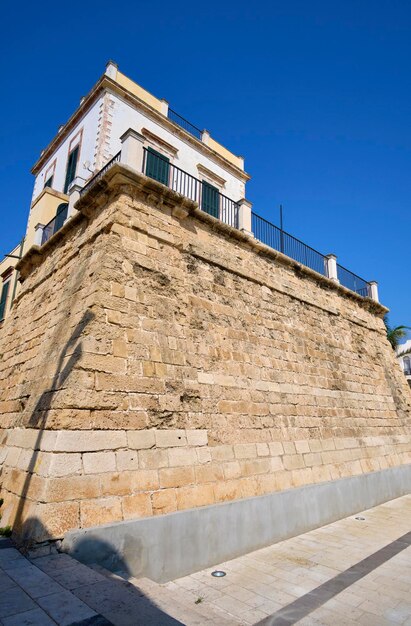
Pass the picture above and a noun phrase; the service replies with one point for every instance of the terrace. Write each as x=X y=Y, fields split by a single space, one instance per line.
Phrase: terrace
x=237 y=214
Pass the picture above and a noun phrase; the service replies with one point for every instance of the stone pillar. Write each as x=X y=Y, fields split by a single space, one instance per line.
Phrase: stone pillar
x=132 y=144
x=373 y=291
x=244 y=217
x=76 y=186
x=111 y=70
x=205 y=136
x=332 y=273
x=164 y=107
x=39 y=228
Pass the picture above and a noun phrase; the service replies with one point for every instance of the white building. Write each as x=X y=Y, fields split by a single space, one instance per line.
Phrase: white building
x=405 y=361
x=173 y=151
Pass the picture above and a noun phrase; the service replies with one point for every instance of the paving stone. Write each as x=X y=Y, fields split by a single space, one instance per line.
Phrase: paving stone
x=35 y=617
x=34 y=582
x=121 y=605
x=65 y=608
x=15 y=601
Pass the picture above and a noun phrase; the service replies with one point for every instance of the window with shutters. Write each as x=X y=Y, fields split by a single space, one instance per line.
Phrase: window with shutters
x=157 y=166
x=407 y=366
x=3 y=299
x=71 y=168
x=210 y=199
x=49 y=182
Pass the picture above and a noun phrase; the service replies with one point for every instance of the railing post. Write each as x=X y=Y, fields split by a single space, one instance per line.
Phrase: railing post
x=38 y=234
x=205 y=136
x=111 y=70
x=132 y=144
x=373 y=290
x=332 y=272
x=74 y=194
x=164 y=107
x=244 y=216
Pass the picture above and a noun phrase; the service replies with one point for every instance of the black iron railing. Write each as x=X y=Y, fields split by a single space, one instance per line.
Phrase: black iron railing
x=280 y=240
x=56 y=223
x=188 y=126
x=353 y=282
x=101 y=173
x=208 y=197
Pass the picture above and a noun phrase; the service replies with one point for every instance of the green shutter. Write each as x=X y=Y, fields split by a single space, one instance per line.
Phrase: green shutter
x=3 y=299
x=157 y=166
x=210 y=199
x=61 y=216
x=71 y=168
x=48 y=182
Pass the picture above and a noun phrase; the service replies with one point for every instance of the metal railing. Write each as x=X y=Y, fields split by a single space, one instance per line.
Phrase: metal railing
x=55 y=224
x=209 y=199
x=185 y=124
x=352 y=281
x=101 y=173
x=280 y=240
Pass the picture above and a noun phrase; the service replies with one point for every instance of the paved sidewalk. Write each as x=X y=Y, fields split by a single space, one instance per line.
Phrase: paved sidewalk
x=355 y=571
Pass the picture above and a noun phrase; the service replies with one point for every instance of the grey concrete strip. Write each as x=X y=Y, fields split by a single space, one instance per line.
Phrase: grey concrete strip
x=35 y=617
x=277 y=516
x=311 y=601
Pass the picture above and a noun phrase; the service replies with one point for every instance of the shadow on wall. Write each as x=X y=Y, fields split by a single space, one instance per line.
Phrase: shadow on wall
x=116 y=600
x=38 y=420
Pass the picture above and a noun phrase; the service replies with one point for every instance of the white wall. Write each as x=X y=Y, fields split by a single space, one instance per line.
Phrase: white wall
x=89 y=123
x=187 y=158
x=401 y=348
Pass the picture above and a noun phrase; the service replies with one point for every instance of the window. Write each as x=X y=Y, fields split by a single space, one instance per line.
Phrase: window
x=157 y=166
x=407 y=366
x=3 y=299
x=61 y=216
x=71 y=168
x=49 y=182
x=210 y=199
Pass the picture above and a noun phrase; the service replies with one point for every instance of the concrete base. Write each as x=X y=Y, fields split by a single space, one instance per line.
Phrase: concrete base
x=169 y=546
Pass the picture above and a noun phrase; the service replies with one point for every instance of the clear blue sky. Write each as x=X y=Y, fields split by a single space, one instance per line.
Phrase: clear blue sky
x=316 y=96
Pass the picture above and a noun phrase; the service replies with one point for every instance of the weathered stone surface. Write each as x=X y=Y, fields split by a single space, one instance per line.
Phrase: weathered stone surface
x=168 y=365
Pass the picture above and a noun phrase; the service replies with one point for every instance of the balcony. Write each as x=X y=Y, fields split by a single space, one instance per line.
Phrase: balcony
x=209 y=199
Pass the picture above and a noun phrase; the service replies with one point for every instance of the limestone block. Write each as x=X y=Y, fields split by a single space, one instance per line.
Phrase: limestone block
x=197 y=437
x=153 y=459
x=138 y=505
x=101 y=511
x=170 y=438
x=87 y=441
x=176 y=477
x=99 y=462
x=190 y=497
x=164 y=501
x=245 y=451
x=181 y=456
x=140 y=439
x=127 y=460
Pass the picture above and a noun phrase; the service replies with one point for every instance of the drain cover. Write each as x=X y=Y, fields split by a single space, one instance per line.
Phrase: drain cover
x=360 y=518
x=218 y=573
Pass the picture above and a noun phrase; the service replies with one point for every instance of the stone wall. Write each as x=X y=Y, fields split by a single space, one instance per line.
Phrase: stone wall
x=157 y=360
